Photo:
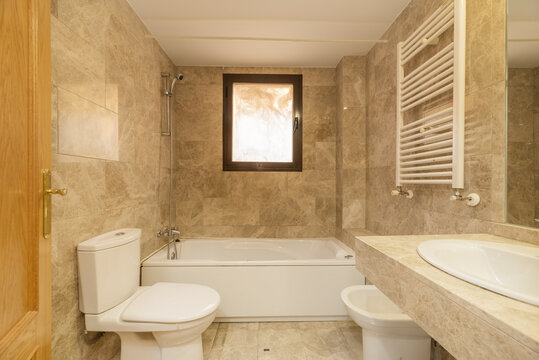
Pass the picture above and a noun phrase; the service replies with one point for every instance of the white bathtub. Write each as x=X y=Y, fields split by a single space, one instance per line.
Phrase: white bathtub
x=264 y=279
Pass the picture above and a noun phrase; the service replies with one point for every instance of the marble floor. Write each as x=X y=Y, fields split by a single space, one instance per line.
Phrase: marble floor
x=283 y=340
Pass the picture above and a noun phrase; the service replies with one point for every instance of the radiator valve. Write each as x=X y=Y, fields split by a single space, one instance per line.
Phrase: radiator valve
x=471 y=199
x=399 y=192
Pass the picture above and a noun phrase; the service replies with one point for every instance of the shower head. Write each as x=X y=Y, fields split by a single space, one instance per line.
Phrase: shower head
x=179 y=76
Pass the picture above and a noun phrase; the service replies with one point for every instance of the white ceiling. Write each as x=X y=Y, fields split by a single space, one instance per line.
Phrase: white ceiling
x=523 y=23
x=283 y=19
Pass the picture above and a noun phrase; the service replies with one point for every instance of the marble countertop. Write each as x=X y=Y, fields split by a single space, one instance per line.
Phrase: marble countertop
x=392 y=263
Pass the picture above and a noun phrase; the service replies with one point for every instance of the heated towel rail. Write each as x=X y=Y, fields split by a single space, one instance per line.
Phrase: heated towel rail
x=430 y=136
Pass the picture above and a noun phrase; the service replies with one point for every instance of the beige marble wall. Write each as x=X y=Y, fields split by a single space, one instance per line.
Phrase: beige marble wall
x=106 y=147
x=521 y=143
x=211 y=202
x=430 y=211
x=351 y=143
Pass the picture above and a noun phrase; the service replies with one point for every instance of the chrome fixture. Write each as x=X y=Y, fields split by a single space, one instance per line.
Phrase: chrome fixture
x=399 y=192
x=163 y=232
x=168 y=92
x=471 y=199
x=173 y=236
x=170 y=232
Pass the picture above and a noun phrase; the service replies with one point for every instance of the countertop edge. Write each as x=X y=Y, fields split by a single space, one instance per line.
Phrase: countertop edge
x=529 y=345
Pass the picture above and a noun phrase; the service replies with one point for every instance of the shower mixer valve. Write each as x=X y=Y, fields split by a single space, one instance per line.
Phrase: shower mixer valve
x=163 y=232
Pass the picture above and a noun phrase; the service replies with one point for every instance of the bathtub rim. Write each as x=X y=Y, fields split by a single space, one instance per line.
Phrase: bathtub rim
x=156 y=258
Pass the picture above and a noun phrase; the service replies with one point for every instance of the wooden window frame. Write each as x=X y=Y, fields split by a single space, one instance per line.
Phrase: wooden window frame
x=297 y=109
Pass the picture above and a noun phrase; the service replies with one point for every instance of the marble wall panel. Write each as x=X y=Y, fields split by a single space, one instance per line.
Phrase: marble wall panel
x=212 y=202
x=522 y=140
x=351 y=168
x=86 y=129
x=106 y=148
x=430 y=211
x=485 y=129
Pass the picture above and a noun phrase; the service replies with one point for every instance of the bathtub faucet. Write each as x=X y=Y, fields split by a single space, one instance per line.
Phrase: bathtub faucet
x=173 y=233
x=175 y=238
x=163 y=232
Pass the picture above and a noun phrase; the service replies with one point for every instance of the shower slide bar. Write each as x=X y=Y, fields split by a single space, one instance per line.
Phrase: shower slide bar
x=430 y=141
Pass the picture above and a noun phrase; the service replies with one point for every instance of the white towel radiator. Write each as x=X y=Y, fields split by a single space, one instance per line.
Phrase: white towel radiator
x=430 y=143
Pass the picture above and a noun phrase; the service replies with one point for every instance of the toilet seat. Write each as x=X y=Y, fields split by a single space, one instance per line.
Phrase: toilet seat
x=112 y=320
x=171 y=303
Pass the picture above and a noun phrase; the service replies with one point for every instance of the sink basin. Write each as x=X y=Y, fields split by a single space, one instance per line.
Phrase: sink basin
x=510 y=270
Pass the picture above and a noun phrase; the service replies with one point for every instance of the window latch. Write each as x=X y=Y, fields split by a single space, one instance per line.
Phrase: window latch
x=296 y=123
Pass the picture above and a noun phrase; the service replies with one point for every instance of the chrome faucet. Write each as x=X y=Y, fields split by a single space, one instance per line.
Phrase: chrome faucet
x=163 y=232
x=175 y=232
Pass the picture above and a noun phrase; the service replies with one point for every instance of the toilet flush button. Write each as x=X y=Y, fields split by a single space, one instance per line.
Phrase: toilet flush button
x=119 y=233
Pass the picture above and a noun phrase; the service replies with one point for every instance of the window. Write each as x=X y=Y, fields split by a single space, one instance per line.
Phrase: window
x=262 y=122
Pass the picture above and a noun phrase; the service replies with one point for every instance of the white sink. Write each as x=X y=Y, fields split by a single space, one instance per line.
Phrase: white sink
x=511 y=270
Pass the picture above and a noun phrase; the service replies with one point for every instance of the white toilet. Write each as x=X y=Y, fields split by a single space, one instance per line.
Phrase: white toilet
x=164 y=321
x=388 y=333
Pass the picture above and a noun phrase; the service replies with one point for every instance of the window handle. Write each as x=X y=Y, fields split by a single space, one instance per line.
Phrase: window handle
x=296 y=123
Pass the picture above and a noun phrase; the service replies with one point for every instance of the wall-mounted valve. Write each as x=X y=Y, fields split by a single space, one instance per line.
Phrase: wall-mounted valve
x=399 y=192
x=471 y=199
x=163 y=232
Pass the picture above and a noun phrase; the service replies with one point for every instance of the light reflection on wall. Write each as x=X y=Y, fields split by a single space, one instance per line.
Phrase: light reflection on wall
x=262 y=122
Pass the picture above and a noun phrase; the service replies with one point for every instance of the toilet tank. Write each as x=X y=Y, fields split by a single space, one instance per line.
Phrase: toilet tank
x=109 y=269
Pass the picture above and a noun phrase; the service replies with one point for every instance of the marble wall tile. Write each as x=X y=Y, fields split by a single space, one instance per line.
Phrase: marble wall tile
x=106 y=148
x=86 y=129
x=77 y=66
x=86 y=18
x=430 y=211
x=221 y=211
x=351 y=142
x=325 y=155
x=265 y=204
x=522 y=144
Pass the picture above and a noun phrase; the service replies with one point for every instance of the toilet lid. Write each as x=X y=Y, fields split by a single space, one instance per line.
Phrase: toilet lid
x=172 y=303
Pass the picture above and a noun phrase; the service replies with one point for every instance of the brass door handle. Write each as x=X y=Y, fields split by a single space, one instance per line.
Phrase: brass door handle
x=62 y=192
x=47 y=193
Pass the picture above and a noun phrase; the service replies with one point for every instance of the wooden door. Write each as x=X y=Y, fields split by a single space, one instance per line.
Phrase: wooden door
x=25 y=149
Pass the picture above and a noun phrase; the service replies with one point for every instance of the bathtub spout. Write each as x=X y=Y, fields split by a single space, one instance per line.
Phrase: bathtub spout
x=175 y=233
x=172 y=254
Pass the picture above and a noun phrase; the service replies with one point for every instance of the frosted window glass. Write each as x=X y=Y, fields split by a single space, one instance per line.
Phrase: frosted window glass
x=262 y=122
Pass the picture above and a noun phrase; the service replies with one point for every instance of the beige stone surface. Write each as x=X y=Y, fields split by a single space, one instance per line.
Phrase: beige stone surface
x=283 y=341
x=430 y=211
x=457 y=314
x=105 y=68
x=351 y=166
x=522 y=145
x=212 y=202
x=106 y=113
x=86 y=129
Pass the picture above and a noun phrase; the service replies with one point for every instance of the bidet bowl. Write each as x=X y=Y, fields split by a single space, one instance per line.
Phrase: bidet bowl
x=371 y=309
x=388 y=333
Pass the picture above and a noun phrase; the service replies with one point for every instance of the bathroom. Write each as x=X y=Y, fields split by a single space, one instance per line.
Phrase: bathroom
x=108 y=143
